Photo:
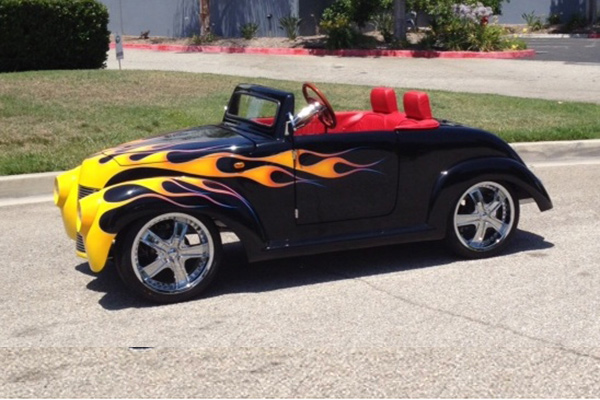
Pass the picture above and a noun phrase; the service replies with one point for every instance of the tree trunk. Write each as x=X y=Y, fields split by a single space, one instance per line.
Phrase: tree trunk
x=204 y=17
x=400 y=19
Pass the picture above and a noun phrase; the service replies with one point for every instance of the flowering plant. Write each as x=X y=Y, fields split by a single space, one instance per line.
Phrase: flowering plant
x=466 y=26
x=476 y=13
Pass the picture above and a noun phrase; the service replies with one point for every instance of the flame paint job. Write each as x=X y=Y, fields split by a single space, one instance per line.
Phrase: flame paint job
x=99 y=209
x=184 y=192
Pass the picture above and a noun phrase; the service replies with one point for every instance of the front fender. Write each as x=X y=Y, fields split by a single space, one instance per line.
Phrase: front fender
x=452 y=182
x=104 y=214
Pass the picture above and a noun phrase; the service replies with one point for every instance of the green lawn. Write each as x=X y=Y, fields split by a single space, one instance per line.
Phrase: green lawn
x=52 y=120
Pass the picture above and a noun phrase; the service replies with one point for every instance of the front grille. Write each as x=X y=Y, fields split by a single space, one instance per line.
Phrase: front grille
x=79 y=244
x=85 y=191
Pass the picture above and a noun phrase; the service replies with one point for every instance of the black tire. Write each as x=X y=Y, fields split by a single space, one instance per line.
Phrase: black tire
x=170 y=257
x=482 y=220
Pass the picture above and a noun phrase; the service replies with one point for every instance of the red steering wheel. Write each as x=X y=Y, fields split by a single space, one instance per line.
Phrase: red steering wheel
x=327 y=116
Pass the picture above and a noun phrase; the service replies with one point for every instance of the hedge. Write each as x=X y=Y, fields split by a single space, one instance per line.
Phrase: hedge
x=52 y=34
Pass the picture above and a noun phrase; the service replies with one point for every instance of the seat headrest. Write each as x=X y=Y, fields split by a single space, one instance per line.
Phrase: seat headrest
x=416 y=105
x=383 y=100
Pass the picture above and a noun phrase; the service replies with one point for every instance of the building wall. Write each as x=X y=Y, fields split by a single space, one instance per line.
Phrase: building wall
x=512 y=11
x=228 y=15
x=180 y=18
x=172 y=18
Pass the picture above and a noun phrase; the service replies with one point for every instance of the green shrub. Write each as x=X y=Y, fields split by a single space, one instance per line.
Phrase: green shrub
x=337 y=24
x=52 y=34
x=553 y=19
x=384 y=23
x=199 y=40
x=249 y=30
x=577 y=21
x=290 y=25
x=534 y=23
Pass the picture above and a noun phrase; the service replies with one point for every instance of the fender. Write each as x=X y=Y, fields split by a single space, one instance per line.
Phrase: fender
x=102 y=215
x=452 y=182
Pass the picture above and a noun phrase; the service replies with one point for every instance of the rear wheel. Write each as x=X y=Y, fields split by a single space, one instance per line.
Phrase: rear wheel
x=169 y=258
x=483 y=221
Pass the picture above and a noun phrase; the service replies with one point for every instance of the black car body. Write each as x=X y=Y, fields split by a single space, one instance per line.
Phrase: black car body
x=290 y=183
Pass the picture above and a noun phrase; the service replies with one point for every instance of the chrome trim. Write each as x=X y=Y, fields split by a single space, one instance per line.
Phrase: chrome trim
x=484 y=216
x=306 y=115
x=84 y=191
x=188 y=253
x=79 y=244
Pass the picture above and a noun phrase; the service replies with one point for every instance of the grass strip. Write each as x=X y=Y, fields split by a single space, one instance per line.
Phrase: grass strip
x=51 y=120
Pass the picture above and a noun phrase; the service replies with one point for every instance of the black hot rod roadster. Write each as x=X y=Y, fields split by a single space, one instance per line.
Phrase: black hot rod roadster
x=291 y=183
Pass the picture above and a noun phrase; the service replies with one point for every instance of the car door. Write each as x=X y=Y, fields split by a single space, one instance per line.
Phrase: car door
x=345 y=176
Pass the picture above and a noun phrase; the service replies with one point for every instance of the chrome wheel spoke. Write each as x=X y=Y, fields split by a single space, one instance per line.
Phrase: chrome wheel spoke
x=181 y=275
x=197 y=251
x=492 y=207
x=180 y=229
x=480 y=234
x=467 y=219
x=154 y=268
x=477 y=198
x=154 y=241
x=496 y=224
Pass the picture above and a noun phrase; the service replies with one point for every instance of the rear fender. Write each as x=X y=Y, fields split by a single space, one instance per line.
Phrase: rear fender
x=452 y=182
x=104 y=214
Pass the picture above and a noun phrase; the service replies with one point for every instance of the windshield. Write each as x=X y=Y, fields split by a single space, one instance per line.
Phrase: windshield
x=252 y=108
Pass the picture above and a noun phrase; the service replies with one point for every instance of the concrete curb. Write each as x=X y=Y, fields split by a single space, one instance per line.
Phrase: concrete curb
x=18 y=186
x=514 y=54
x=563 y=151
x=35 y=185
x=559 y=35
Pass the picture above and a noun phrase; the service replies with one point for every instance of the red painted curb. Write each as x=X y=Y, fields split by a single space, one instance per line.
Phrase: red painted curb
x=340 y=53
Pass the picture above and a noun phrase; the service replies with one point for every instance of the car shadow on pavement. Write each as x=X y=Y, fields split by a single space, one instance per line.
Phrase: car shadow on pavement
x=239 y=276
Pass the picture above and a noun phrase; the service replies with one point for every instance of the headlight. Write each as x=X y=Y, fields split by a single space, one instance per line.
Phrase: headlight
x=63 y=184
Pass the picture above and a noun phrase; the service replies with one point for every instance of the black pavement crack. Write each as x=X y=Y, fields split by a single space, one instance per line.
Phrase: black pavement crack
x=558 y=346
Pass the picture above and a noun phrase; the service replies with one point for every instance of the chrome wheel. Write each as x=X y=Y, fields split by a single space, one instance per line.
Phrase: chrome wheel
x=484 y=217
x=172 y=253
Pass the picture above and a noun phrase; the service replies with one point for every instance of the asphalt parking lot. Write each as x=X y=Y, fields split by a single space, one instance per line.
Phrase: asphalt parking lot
x=569 y=50
x=388 y=322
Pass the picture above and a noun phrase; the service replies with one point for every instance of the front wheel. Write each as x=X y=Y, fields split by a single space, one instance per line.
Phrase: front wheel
x=483 y=221
x=169 y=258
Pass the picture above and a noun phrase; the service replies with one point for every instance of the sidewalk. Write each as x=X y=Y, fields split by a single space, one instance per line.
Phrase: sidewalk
x=533 y=79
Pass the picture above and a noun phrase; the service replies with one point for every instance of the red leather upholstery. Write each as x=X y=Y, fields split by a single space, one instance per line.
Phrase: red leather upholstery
x=418 y=112
x=415 y=125
x=384 y=103
x=383 y=100
x=384 y=117
x=416 y=105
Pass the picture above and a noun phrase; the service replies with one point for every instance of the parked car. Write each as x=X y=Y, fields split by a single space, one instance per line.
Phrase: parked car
x=292 y=183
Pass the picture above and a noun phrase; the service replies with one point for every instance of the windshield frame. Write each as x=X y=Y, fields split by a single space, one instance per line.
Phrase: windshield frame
x=263 y=128
x=283 y=100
